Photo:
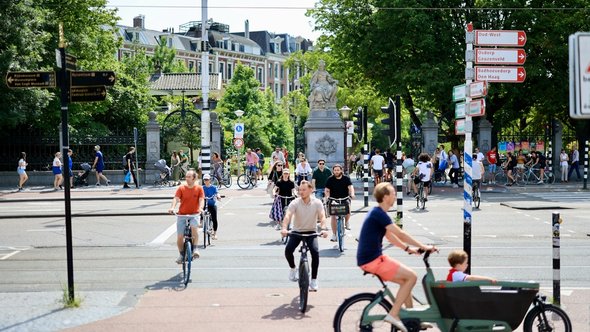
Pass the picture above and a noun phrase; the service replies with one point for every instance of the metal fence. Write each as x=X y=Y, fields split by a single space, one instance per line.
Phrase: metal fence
x=41 y=149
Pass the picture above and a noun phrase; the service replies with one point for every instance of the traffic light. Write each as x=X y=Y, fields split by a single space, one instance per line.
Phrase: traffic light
x=358 y=123
x=389 y=121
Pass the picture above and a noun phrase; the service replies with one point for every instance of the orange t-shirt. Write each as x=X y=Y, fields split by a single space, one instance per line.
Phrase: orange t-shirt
x=189 y=199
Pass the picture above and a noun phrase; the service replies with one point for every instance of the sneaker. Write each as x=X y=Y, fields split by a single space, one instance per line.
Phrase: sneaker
x=98 y=184
x=395 y=322
x=126 y=186
x=415 y=195
x=20 y=189
x=293 y=274
x=425 y=199
x=333 y=239
x=313 y=286
x=455 y=186
x=425 y=326
x=347 y=226
x=196 y=254
x=108 y=182
x=540 y=182
x=408 y=193
x=179 y=259
x=214 y=236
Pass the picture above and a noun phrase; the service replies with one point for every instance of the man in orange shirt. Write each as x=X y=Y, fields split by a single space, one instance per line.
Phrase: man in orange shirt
x=191 y=197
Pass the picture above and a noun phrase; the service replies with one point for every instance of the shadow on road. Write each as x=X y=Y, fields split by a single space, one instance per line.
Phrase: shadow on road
x=174 y=284
x=288 y=311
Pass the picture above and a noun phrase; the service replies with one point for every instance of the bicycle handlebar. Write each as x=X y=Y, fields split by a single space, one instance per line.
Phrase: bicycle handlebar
x=303 y=235
x=286 y=196
x=339 y=199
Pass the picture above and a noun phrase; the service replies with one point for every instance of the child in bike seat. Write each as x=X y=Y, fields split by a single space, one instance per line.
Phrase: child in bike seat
x=458 y=261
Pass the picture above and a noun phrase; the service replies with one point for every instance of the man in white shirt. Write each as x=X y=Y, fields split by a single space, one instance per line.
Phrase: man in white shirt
x=423 y=173
x=477 y=171
x=408 y=167
x=377 y=163
x=278 y=153
x=480 y=156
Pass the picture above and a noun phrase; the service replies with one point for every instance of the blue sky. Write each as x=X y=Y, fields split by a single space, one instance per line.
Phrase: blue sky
x=280 y=16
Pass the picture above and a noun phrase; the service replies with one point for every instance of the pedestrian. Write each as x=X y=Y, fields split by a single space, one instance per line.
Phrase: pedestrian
x=370 y=257
x=175 y=164
x=377 y=164
x=21 y=169
x=492 y=158
x=563 y=163
x=98 y=165
x=286 y=157
x=183 y=162
x=575 y=164
x=306 y=210
x=211 y=195
x=191 y=198
x=70 y=167
x=57 y=174
x=454 y=172
x=130 y=168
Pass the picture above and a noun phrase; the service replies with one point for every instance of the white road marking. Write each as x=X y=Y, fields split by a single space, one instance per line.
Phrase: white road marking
x=60 y=229
x=9 y=255
x=160 y=239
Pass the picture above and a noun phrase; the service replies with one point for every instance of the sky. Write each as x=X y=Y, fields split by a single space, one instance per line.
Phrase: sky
x=278 y=16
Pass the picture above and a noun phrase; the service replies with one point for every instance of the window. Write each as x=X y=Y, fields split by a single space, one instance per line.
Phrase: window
x=277 y=70
x=278 y=48
x=191 y=65
x=199 y=68
x=270 y=70
x=260 y=77
x=229 y=71
x=282 y=72
x=222 y=69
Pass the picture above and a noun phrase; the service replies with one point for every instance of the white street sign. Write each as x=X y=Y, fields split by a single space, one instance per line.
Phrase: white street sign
x=478 y=89
x=500 y=56
x=500 y=74
x=500 y=37
x=580 y=80
x=239 y=130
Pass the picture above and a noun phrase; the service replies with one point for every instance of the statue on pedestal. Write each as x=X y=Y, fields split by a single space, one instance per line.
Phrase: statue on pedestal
x=323 y=89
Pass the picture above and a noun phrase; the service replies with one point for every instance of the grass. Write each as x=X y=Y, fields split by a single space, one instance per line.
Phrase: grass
x=67 y=302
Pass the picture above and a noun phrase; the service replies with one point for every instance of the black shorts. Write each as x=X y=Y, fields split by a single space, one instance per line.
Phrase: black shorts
x=378 y=173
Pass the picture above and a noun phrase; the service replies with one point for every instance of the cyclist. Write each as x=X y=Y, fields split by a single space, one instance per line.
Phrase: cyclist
x=260 y=163
x=339 y=186
x=408 y=167
x=251 y=162
x=307 y=210
x=370 y=257
x=302 y=171
x=211 y=191
x=541 y=161
x=477 y=172
x=191 y=197
x=423 y=172
x=319 y=178
x=377 y=164
x=285 y=188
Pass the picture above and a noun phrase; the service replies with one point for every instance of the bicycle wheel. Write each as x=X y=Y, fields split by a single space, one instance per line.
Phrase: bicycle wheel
x=243 y=181
x=349 y=316
x=519 y=179
x=340 y=233
x=226 y=180
x=187 y=262
x=500 y=177
x=548 y=178
x=215 y=182
x=422 y=200
x=253 y=180
x=552 y=318
x=303 y=285
x=476 y=198
x=206 y=230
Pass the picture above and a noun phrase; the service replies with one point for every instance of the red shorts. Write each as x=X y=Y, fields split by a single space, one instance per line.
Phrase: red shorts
x=383 y=266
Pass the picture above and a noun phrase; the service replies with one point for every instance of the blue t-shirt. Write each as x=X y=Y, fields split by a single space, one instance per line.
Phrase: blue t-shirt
x=371 y=237
x=100 y=162
x=210 y=191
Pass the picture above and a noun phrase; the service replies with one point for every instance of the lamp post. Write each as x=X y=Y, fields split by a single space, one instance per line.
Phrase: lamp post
x=345 y=110
x=239 y=114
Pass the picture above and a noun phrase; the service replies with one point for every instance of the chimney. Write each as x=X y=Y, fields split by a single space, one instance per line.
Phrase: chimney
x=139 y=21
x=247 y=29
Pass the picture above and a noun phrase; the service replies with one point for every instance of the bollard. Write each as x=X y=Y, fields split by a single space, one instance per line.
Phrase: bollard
x=586 y=156
x=399 y=220
x=366 y=175
x=556 y=259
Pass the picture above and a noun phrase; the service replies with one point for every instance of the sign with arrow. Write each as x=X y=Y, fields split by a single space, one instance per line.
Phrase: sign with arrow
x=500 y=37
x=474 y=108
x=87 y=94
x=500 y=74
x=500 y=56
x=92 y=78
x=30 y=79
x=478 y=89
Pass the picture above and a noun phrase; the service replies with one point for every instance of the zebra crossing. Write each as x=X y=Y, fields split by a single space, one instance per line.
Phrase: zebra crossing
x=565 y=196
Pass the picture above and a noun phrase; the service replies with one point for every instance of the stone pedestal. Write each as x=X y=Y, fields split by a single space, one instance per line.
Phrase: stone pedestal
x=325 y=137
x=429 y=135
x=484 y=140
x=152 y=142
x=557 y=146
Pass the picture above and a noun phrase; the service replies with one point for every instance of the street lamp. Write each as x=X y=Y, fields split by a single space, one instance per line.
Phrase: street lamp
x=345 y=110
x=239 y=114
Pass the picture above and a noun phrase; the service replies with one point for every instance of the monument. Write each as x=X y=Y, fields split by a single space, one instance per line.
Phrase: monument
x=324 y=129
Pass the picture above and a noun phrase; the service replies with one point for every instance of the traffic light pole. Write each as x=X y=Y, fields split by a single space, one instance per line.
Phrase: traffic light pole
x=467 y=166
x=398 y=167
x=365 y=156
x=205 y=114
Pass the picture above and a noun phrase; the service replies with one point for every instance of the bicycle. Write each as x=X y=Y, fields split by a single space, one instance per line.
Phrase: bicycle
x=247 y=180
x=222 y=180
x=339 y=207
x=440 y=176
x=207 y=224
x=187 y=255
x=457 y=306
x=476 y=194
x=530 y=176
x=359 y=172
x=304 y=270
x=420 y=197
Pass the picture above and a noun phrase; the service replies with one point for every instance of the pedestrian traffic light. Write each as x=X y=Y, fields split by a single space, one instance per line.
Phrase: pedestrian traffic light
x=389 y=121
x=358 y=123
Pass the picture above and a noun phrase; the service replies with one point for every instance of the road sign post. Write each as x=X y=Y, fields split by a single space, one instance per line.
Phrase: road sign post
x=92 y=78
x=32 y=79
x=579 y=64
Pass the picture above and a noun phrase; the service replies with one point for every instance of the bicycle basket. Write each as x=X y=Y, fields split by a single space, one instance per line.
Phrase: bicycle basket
x=337 y=209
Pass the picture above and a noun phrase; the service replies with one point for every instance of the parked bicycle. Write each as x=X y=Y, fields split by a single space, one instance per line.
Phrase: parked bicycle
x=247 y=180
x=339 y=207
x=304 y=269
x=457 y=306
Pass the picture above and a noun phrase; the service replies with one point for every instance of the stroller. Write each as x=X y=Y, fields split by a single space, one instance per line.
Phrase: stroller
x=80 y=179
x=165 y=174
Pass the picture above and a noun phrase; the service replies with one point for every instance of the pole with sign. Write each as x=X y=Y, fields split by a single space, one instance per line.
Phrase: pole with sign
x=467 y=162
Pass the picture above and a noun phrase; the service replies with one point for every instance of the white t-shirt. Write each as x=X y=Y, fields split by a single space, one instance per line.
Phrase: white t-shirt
x=56 y=162
x=476 y=170
x=303 y=170
x=563 y=157
x=480 y=156
x=424 y=168
x=378 y=161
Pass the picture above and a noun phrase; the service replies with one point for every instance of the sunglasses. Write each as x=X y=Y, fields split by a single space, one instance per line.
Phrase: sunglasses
x=321 y=164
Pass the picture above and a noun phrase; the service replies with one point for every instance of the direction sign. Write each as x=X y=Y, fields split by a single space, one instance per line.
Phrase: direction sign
x=238 y=142
x=92 y=78
x=85 y=94
x=500 y=37
x=580 y=75
x=500 y=74
x=459 y=127
x=476 y=108
x=478 y=89
x=500 y=56
x=71 y=61
x=459 y=92
x=30 y=79
x=239 y=130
